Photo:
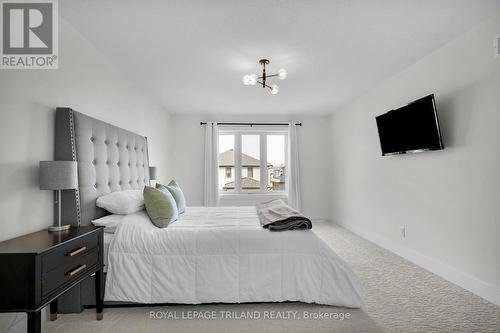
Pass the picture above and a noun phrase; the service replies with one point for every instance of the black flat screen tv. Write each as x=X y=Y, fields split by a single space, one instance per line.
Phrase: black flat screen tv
x=411 y=128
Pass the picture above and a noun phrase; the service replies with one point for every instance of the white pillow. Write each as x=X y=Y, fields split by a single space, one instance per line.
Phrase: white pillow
x=122 y=202
x=109 y=222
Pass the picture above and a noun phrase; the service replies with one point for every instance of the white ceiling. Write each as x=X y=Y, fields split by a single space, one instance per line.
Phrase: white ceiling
x=191 y=54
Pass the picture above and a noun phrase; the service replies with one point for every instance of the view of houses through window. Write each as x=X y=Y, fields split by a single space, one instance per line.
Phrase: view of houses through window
x=243 y=156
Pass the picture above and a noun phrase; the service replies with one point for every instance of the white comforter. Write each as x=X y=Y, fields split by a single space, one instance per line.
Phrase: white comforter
x=222 y=254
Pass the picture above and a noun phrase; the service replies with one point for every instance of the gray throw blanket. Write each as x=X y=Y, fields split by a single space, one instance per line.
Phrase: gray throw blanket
x=276 y=215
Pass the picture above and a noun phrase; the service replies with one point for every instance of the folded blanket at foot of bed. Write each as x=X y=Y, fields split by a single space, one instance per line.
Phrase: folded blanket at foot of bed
x=276 y=215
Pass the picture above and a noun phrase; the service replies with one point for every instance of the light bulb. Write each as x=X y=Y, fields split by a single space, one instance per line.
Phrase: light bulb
x=274 y=89
x=245 y=80
x=282 y=74
x=252 y=79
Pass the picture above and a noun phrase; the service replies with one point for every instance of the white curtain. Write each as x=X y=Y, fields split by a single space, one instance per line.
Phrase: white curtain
x=211 y=189
x=293 y=179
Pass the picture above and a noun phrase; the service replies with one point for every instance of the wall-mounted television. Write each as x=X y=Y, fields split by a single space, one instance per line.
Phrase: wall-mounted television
x=411 y=128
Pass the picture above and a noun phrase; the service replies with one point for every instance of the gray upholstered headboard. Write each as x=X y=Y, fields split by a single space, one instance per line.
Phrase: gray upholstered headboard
x=109 y=159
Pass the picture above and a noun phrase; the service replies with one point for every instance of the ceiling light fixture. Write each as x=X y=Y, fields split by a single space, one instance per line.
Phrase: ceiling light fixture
x=253 y=79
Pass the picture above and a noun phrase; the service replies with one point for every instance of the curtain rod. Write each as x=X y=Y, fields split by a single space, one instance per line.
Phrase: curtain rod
x=251 y=124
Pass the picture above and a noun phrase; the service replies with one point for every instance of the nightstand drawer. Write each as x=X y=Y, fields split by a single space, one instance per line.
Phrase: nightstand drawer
x=67 y=253
x=60 y=276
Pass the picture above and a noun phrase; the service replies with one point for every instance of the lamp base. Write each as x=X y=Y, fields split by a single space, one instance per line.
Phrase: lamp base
x=56 y=228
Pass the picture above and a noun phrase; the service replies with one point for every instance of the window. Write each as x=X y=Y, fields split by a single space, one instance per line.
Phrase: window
x=276 y=161
x=252 y=160
x=226 y=162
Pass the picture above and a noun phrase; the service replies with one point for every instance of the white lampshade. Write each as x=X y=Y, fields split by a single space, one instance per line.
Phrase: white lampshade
x=245 y=80
x=274 y=89
x=282 y=74
x=252 y=79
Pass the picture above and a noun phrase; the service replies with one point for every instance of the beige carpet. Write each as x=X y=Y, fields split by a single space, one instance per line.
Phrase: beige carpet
x=398 y=297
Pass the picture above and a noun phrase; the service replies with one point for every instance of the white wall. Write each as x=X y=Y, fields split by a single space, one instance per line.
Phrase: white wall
x=187 y=138
x=449 y=200
x=85 y=81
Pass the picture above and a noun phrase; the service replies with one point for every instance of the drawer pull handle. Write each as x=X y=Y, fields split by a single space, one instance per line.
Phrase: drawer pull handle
x=77 y=251
x=77 y=270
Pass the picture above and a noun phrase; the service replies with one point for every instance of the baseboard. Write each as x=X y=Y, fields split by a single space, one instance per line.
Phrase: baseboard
x=482 y=289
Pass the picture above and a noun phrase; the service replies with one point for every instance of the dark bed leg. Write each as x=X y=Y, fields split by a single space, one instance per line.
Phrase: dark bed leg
x=99 y=299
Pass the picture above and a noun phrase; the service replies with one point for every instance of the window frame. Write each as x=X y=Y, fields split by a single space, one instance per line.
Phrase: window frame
x=263 y=132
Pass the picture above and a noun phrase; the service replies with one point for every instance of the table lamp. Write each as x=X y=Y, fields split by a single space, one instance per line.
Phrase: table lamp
x=153 y=172
x=58 y=176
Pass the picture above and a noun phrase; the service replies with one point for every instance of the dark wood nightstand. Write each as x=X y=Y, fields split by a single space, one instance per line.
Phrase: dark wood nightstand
x=37 y=268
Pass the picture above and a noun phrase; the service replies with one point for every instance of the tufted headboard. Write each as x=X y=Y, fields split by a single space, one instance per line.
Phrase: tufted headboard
x=109 y=159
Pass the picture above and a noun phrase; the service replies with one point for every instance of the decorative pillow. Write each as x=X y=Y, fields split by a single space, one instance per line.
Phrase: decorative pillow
x=176 y=192
x=161 y=207
x=122 y=202
x=109 y=222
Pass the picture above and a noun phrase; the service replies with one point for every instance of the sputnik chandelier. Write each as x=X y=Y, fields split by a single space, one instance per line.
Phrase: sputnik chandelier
x=253 y=79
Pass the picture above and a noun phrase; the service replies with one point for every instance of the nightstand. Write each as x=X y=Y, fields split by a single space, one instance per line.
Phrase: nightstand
x=37 y=268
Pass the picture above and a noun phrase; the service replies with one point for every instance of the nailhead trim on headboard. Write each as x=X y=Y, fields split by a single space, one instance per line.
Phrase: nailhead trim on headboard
x=73 y=154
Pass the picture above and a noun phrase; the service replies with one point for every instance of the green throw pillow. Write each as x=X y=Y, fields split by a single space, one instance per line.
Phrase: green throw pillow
x=161 y=207
x=176 y=192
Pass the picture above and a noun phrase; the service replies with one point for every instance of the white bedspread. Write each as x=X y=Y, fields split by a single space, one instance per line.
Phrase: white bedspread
x=222 y=254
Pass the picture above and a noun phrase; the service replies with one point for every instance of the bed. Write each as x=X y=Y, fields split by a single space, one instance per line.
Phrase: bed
x=210 y=254
x=222 y=254
x=108 y=237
